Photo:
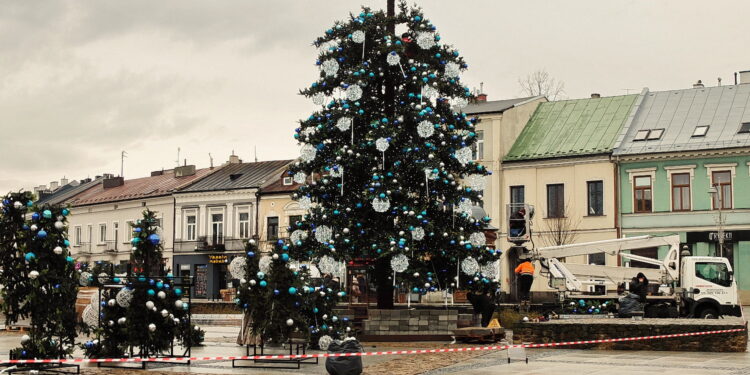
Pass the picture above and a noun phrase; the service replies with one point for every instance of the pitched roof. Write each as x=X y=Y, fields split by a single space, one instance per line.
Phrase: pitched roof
x=239 y=176
x=139 y=188
x=276 y=185
x=572 y=128
x=723 y=109
x=67 y=191
x=496 y=106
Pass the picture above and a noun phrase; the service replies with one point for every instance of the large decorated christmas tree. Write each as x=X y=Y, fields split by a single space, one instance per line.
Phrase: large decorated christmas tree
x=144 y=310
x=386 y=161
x=39 y=276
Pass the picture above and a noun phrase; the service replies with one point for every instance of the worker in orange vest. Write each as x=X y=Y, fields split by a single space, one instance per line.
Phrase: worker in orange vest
x=525 y=272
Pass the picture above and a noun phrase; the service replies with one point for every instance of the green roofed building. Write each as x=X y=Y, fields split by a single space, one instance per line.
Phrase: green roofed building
x=561 y=163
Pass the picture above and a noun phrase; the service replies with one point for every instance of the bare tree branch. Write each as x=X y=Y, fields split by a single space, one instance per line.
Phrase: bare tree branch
x=541 y=83
x=560 y=230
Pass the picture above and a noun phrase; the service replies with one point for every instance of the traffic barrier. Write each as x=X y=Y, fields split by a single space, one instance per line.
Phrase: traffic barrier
x=362 y=354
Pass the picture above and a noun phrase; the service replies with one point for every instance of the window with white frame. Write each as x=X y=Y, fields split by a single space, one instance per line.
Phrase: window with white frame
x=191 y=225
x=243 y=222
x=102 y=233
x=77 y=236
x=90 y=234
x=217 y=227
x=477 y=150
x=128 y=231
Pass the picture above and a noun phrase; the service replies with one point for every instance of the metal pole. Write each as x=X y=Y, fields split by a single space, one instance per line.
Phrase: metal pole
x=721 y=223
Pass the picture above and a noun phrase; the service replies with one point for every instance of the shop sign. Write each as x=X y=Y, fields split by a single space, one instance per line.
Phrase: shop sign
x=217 y=259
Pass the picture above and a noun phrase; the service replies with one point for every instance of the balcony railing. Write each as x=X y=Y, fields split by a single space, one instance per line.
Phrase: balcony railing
x=210 y=244
x=83 y=248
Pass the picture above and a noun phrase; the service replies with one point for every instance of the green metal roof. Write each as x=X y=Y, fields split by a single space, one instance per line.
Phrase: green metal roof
x=572 y=128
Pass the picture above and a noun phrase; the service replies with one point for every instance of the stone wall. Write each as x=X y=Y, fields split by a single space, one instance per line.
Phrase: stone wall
x=595 y=329
x=411 y=322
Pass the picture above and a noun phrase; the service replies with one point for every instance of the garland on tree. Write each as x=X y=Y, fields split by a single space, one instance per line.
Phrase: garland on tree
x=282 y=300
x=386 y=162
x=143 y=310
x=44 y=285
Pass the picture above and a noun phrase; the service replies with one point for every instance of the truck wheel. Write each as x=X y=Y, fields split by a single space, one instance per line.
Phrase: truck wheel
x=708 y=313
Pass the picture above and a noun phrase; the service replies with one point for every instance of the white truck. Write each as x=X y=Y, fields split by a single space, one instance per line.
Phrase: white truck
x=689 y=286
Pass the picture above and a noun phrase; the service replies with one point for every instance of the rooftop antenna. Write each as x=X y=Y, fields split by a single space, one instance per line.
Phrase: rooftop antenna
x=481 y=87
x=256 y=153
x=719 y=79
x=177 y=162
x=123 y=155
x=211 y=158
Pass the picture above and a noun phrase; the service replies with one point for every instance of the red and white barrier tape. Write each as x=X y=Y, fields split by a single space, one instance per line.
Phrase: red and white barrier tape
x=361 y=354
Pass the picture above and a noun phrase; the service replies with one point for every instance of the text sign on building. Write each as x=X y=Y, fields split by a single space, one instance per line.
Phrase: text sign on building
x=714 y=236
x=217 y=259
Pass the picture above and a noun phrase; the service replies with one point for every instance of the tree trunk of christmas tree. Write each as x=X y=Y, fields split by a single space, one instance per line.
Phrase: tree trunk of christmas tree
x=384 y=284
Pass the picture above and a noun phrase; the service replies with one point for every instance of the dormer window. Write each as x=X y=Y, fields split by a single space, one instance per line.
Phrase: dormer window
x=700 y=131
x=287 y=181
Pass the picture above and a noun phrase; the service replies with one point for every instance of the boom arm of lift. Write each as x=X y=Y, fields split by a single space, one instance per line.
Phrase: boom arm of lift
x=669 y=268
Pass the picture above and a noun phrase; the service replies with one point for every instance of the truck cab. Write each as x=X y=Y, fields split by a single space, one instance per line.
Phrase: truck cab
x=708 y=286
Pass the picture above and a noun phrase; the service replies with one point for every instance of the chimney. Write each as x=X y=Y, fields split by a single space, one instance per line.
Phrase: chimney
x=157 y=173
x=53 y=185
x=110 y=181
x=63 y=181
x=39 y=188
x=596 y=96
x=185 y=170
x=480 y=98
x=234 y=159
x=744 y=76
x=698 y=85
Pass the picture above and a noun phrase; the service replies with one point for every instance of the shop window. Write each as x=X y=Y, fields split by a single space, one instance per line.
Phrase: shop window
x=681 y=192
x=642 y=193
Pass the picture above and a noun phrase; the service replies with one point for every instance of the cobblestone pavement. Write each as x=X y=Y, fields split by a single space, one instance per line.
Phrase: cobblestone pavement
x=220 y=342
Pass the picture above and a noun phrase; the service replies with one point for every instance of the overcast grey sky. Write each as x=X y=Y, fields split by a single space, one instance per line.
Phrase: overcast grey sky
x=82 y=80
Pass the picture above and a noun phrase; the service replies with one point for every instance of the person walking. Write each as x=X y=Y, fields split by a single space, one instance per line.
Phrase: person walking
x=525 y=274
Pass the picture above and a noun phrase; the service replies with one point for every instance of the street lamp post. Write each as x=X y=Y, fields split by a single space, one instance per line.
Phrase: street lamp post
x=716 y=190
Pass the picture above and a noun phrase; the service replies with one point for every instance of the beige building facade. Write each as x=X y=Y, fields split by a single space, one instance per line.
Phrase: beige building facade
x=501 y=123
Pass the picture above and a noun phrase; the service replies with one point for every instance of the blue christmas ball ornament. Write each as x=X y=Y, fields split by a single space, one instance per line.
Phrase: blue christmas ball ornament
x=151 y=292
x=597 y=311
x=47 y=214
x=263 y=283
x=324 y=326
x=251 y=254
x=135 y=240
x=35 y=216
x=29 y=256
x=116 y=279
x=154 y=238
x=292 y=290
x=260 y=275
x=65 y=212
x=41 y=234
x=159 y=284
x=142 y=278
x=151 y=282
x=178 y=291
x=66 y=243
x=137 y=230
x=185 y=306
x=582 y=302
x=315 y=310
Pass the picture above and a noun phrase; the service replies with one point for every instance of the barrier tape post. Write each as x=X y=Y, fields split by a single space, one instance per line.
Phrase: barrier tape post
x=360 y=354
